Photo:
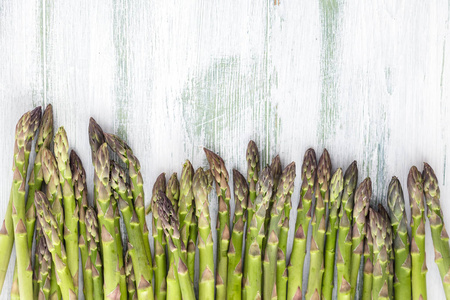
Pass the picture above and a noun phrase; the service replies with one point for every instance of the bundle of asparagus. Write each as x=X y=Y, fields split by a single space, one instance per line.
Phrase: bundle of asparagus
x=347 y=229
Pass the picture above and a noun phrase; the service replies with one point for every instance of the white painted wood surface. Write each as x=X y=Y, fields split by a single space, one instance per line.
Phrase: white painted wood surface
x=367 y=80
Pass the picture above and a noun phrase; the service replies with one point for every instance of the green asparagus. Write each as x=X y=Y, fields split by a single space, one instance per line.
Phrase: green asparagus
x=344 y=244
x=368 y=261
x=361 y=208
x=205 y=240
x=235 y=262
x=80 y=191
x=285 y=188
x=252 y=286
x=159 y=241
x=170 y=224
x=318 y=223
x=438 y=232
x=396 y=202
x=418 y=262
x=141 y=266
x=220 y=174
x=378 y=227
x=25 y=131
x=55 y=245
x=61 y=145
x=93 y=243
x=295 y=268
x=336 y=187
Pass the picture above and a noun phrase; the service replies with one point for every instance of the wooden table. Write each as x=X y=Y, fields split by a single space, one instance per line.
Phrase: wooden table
x=367 y=80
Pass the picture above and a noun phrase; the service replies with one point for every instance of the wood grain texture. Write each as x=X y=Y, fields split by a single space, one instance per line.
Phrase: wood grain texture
x=368 y=81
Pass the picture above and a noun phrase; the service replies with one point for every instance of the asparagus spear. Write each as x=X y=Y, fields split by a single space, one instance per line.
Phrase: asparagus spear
x=285 y=187
x=368 y=261
x=159 y=241
x=173 y=194
x=295 y=267
x=131 y=279
x=55 y=196
x=362 y=199
x=318 y=223
x=252 y=175
x=45 y=265
x=125 y=153
x=235 y=262
x=95 y=259
x=70 y=207
x=106 y=220
x=220 y=174
x=25 y=131
x=185 y=207
x=55 y=245
x=336 y=187
x=378 y=225
x=344 y=245
x=205 y=241
x=80 y=191
x=253 y=261
x=276 y=169
x=141 y=266
x=418 y=262
x=170 y=224
x=396 y=202
x=438 y=232
x=44 y=138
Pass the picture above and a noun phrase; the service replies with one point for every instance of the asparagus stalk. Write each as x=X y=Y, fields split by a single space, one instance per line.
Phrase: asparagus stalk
x=70 y=206
x=55 y=196
x=368 y=261
x=336 y=187
x=295 y=268
x=438 y=232
x=378 y=225
x=118 y=240
x=170 y=224
x=205 y=241
x=285 y=187
x=253 y=257
x=125 y=153
x=185 y=207
x=106 y=218
x=25 y=131
x=235 y=262
x=186 y=194
x=322 y=194
x=45 y=265
x=80 y=192
x=55 y=245
x=252 y=175
x=418 y=262
x=44 y=138
x=173 y=194
x=131 y=279
x=220 y=174
x=95 y=259
x=141 y=266
x=276 y=169
x=396 y=202
x=282 y=270
x=344 y=245
x=159 y=241
x=362 y=199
